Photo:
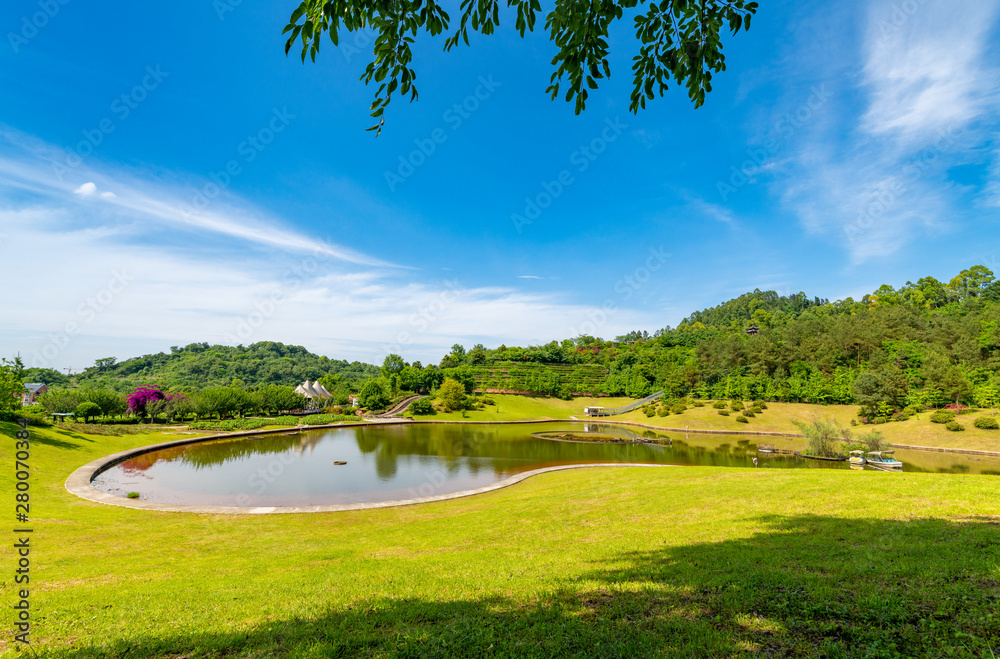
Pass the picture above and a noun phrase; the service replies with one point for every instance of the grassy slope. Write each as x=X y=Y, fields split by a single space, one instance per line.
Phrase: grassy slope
x=604 y=562
x=778 y=417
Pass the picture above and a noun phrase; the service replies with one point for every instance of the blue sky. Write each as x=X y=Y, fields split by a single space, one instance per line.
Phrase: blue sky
x=846 y=146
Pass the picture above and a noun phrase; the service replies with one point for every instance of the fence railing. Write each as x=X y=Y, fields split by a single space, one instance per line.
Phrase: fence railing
x=613 y=411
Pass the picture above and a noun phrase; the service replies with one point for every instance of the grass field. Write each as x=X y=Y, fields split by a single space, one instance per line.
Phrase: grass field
x=591 y=563
x=778 y=417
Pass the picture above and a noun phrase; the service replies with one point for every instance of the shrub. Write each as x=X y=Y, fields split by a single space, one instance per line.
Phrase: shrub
x=873 y=441
x=761 y=404
x=698 y=403
x=854 y=422
x=986 y=423
x=86 y=411
x=742 y=419
x=724 y=412
x=229 y=425
x=663 y=411
x=35 y=418
x=678 y=408
x=132 y=495
x=880 y=419
x=748 y=413
x=719 y=404
x=942 y=416
x=954 y=426
x=649 y=411
x=736 y=405
x=422 y=406
x=451 y=395
x=823 y=436
x=757 y=410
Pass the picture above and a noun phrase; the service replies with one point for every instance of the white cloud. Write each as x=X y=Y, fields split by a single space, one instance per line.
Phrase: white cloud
x=26 y=165
x=710 y=210
x=107 y=294
x=926 y=100
x=927 y=67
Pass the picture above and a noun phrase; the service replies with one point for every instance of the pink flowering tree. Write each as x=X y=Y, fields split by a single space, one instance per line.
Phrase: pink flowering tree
x=139 y=399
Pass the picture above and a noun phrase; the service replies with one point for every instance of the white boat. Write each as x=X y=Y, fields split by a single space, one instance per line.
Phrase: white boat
x=858 y=458
x=883 y=460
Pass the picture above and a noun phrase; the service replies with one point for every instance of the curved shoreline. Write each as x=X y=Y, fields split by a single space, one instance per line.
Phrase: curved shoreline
x=79 y=482
x=91 y=493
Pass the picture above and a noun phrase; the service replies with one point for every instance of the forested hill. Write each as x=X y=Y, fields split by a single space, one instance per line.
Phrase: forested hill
x=928 y=342
x=760 y=307
x=200 y=365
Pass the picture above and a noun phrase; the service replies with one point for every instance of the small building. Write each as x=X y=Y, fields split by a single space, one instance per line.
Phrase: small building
x=32 y=391
x=353 y=400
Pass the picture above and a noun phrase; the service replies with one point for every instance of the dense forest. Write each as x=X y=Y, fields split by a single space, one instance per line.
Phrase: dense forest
x=925 y=343
x=200 y=365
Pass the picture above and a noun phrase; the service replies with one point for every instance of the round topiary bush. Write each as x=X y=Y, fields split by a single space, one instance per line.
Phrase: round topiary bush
x=422 y=406
x=954 y=426
x=719 y=404
x=986 y=423
x=758 y=410
x=761 y=404
x=698 y=403
x=736 y=405
x=663 y=411
x=86 y=410
x=649 y=411
x=749 y=413
x=724 y=412
x=679 y=408
x=942 y=416
x=743 y=419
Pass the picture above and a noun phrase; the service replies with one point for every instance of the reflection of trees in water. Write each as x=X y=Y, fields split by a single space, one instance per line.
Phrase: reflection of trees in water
x=213 y=453
x=500 y=449
x=505 y=450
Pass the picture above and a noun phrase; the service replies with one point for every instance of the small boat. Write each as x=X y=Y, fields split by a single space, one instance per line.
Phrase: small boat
x=857 y=458
x=836 y=458
x=883 y=460
x=765 y=448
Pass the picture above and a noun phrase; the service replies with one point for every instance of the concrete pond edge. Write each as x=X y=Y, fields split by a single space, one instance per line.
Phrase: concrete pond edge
x=80 y=481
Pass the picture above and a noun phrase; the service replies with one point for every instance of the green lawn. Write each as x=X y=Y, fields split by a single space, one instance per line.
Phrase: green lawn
x=510 y=407
x=593 y=562
x=778 y=417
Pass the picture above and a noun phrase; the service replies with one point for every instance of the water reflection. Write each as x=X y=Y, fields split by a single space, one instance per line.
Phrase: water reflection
x=390 y=462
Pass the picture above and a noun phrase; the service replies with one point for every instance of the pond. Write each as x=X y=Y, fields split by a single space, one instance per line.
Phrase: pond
x=395 y=462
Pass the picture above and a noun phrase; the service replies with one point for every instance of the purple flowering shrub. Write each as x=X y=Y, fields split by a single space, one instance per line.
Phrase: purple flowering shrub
x=141 y=397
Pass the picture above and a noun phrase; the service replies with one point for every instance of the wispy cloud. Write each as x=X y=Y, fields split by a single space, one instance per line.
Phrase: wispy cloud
x=117 y=284
x=26 y=165
x=927 y=68
x=926 y=99
x=709 y=210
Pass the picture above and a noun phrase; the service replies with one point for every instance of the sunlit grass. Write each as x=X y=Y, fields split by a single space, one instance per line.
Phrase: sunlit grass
x=593 y=562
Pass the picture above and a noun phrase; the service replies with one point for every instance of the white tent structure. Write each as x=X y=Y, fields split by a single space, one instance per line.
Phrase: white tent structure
x=321 y=390
x=306 y=390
